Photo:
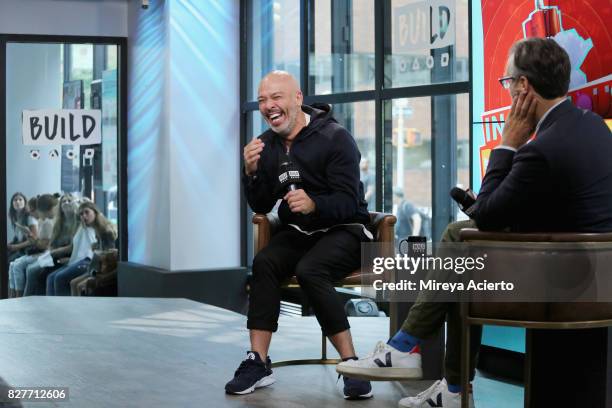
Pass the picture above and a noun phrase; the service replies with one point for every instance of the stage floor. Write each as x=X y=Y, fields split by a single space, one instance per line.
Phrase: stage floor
x=141 y=352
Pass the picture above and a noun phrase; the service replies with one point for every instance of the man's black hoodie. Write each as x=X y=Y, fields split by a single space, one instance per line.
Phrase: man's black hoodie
x=328 y=160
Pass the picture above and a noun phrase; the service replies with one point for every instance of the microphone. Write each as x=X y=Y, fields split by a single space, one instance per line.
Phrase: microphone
x=464 y=198
x=289 y=176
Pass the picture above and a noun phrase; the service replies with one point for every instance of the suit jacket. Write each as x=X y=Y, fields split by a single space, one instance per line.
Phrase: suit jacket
x=559 y=182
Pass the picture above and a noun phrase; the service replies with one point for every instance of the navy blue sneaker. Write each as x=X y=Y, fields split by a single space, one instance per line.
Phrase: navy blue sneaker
x=355 y=389
x=251 y=374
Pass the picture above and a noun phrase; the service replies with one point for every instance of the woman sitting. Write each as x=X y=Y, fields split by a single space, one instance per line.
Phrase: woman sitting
x=95 y=229
x=64 y=228
x=45 y=204
x=25 y=227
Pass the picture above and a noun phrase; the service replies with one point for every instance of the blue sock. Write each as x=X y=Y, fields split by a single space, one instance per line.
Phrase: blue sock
x=454 y=388
x=403 y=341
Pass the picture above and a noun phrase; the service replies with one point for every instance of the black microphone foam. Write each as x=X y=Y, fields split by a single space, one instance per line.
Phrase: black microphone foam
x=289 y=176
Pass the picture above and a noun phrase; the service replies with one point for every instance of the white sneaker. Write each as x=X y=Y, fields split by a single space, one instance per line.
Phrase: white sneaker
x=384 y=363
x=437 y=395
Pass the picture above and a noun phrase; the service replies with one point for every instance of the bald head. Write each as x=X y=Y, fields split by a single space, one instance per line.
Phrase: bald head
x=280 y=101
x=280 y=78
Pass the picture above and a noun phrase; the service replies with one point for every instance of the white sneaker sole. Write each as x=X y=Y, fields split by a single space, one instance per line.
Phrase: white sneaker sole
x=380 y=373
x=363 y=396
x=264 y=382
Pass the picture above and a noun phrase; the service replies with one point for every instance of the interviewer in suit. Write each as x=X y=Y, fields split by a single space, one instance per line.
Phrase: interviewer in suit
x=560 y=181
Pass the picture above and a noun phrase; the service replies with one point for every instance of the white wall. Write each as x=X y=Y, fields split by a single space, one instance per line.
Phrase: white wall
x=33 y=81
x=148 y=158
x=65 y=17
x=204 y=134
x=184 y=152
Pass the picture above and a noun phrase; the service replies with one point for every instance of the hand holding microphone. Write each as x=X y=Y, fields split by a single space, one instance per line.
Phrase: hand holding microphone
x=290 y=179
x=299 y=202
x=464 y=198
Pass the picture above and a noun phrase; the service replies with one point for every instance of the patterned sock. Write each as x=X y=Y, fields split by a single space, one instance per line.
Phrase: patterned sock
x=403 y=341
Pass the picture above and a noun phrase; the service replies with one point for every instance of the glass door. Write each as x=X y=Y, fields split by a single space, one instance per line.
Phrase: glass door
x=62 y=159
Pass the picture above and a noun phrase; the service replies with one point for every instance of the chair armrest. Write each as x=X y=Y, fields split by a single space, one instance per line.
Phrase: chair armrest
x=262 y=228
x=473 y=234
x=382 y=226
x=265 y=225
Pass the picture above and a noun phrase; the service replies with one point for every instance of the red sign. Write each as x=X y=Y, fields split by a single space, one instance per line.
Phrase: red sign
x=581 y=27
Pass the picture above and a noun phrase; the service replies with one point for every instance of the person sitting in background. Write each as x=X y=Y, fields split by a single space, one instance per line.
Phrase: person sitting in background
x=561 y=181
x=64 y=228
x=94 y=229
x=33 y=207
x=24 y=227
x=45 y=204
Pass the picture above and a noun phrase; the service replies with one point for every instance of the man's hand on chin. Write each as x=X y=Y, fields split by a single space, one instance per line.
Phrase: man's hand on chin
x=521 y=122
x=299 y=202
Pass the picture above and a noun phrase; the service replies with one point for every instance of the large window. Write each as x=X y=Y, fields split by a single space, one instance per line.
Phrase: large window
x=342 y=56
x=396 y=73
x=421 y=135
x=358 y=118
x=273 y=39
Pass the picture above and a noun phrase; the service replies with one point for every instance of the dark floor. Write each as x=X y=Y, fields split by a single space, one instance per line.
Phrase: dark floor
x=137 y=352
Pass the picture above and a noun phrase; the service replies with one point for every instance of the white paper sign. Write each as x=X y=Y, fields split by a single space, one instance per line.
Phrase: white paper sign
x=61 y=127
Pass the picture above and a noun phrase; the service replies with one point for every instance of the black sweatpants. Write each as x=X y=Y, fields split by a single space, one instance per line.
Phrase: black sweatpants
x=317 y=261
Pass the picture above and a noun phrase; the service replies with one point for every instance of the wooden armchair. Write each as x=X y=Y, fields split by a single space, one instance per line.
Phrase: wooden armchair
x=382 y=228
x=538 y=318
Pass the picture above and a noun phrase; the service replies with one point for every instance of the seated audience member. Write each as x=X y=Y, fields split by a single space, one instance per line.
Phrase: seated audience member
x=60 y=245
x=323 y=219
x=33 y=207
x=559 y=182
x=46 y=204
x=94 y=231
x=101 y=275
x=24 y=227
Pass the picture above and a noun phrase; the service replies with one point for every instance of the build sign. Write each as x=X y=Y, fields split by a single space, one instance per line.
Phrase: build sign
x=61 y=127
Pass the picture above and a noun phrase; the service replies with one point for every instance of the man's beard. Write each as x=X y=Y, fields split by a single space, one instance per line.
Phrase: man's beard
x=291 y=121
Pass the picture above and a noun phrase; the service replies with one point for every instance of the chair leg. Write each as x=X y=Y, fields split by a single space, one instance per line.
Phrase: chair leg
x=323 y=347
x=392 y=319
x=322 y=360
x=528 y=363
x=465 y=364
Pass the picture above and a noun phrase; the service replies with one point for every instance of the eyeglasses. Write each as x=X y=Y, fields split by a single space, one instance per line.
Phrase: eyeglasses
x=506 y=81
